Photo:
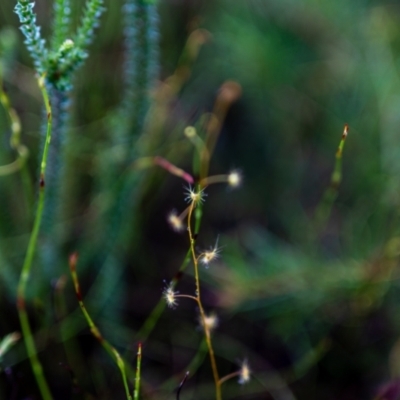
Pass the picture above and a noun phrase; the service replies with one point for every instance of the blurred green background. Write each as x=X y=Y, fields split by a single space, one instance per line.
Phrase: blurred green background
x=313 y=307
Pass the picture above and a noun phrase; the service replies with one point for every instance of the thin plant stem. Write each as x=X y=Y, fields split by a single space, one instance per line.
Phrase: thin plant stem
x=111 y=350
x=187 y=296
x=26 y=268
x=214 y=179
x=178 y=392
x=230 y=376
x=229 y=92
x=137 y=375
x=191 y=134
x=324 y=208
x=202 y=313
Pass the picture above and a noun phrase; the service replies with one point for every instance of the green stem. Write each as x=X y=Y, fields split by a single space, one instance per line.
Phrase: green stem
x=324 y=208
x=207 y=332
x=111 y=350
x=26 y=268
x=137 y=375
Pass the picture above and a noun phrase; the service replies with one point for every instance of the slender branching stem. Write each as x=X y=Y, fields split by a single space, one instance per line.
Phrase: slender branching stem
x=111 y=350
x=207 y=332
x=27 y=266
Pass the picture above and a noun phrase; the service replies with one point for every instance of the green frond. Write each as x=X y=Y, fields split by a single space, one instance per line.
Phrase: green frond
x=33 y=40
x=61 y=23
x=90 y=21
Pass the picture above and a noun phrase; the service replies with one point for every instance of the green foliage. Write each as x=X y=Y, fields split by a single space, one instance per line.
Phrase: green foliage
x=33 y=39
x=8 y=44
x=305 y=285
x=6 y=343
x=67 y=54
x=90 y=21
x=61 y=23
x=141 y=64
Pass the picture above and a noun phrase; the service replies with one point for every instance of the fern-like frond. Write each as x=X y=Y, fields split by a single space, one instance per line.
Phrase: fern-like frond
x=90 y=21
x=33 y=39
x=61 y=23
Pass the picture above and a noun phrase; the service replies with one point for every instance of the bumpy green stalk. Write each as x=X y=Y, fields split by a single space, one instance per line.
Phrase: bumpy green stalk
x=141 y=65
x=55 y=69
x=140 y=71
x=59 y=64
x=33 y=40
x=90 y=21
x=61 y=23
x=26 y=269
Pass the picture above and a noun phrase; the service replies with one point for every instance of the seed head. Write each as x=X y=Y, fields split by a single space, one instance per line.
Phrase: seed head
x=175 y=221
x=244 y=373
x=194 y=197
x=235 y=179
x=210 y=322
x=170 y=296
x=68 y=44
x=209 y=256
x=190 y=132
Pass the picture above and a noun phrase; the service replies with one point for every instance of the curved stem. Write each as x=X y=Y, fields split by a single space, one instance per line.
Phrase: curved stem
x=202 y=313
x=187 y=296
x=209 y=180
x=15 y=143
x=227 y=377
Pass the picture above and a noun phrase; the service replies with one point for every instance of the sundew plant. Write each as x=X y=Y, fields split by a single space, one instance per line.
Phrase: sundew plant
x=199 y=200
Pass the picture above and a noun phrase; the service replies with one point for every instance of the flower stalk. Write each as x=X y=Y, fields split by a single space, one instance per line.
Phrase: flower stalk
x=27 y=266
x=203 y=316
